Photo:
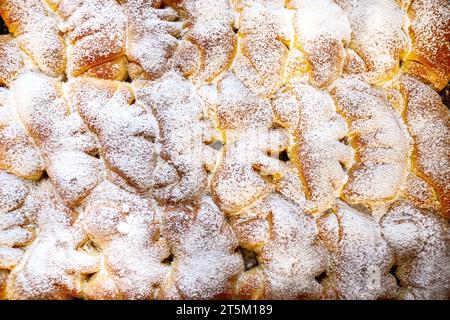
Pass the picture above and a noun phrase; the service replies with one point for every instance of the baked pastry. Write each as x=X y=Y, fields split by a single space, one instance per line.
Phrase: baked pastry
x=224 y=149
x=429 y=55
x=36 y=31
x=95 y=36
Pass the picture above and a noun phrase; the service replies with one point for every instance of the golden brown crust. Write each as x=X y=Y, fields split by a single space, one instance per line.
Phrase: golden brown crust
x=428 y=122
x=380 y=141
x=151 y=38
x=429 y=58
x=111 y=70
x=37 y=33
x=215 y=149
x=66 y=146
x=15 y=13
x=264 y=34
x=287 y=249
x=107 y=107
x=210 y=38
x=420 y=193
x=323 y=46
x=360 y=257
x=378 y=36
x=96 y=45
x=12 y=60
x=419 y=242
x=18 y=154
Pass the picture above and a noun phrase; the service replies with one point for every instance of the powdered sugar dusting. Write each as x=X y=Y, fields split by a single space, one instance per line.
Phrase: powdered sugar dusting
x=151 y=38
x=360 y=259
x=65 y=143
x=51 y=266
x=430 y=33
x=95 y=32
x=18 y=154
x=420 y=244
x=379 y=140
x=248 y=164
x=317 y=135
x=133 y=259
x=37 y=34
x=264 y=30
x=184 y=132
x=378 y=35
x=428 y=122
x=11 y=62
x=210 y=30
x=127 y=133
x=288 y=251
x=205 y=263
x=322 y=29
x=200 y=149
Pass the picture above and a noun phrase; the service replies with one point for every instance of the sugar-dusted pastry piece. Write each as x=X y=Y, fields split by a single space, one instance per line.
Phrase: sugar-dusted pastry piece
x=224 y=149
x=246 y=172
x=14 y=231
x=322 y=30
x=12 y=61
x=206 y=262
x=126 y=229
x=429 y=30
x=249 y=163
x=65 y=143
x=184 y=134
x=419 y=240
x=265 y=32
x=420 y=193
x=379 y=139
x=288 y=252
x=379 y=36
x=238 y=108
x=354 y=64
x=360 y=258
x=18 y=153
x=54 y=264
x=151 y=37
x=318 y=153
x=36 y=30
x=209 y=43
x=428 y=122
x=95 y=32
x=127 y=132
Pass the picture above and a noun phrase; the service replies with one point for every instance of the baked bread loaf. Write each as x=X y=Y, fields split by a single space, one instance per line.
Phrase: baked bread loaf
x=224 y=149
